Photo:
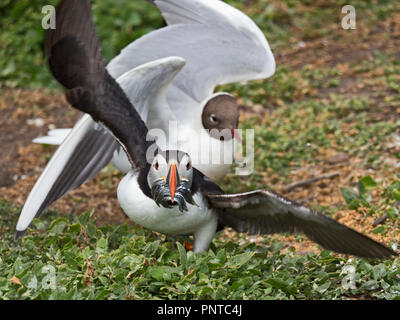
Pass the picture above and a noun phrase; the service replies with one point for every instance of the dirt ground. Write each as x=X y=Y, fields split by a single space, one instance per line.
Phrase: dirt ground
x=26 y=114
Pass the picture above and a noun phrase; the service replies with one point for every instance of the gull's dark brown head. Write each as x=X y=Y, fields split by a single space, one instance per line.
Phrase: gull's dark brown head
x=221 y=112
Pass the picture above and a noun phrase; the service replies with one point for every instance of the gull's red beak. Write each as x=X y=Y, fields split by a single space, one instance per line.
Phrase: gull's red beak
x=236 y=135
x=172 y=180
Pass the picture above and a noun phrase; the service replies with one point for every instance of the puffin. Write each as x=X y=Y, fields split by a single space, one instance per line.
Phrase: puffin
x=169 y=75
x=163 y=191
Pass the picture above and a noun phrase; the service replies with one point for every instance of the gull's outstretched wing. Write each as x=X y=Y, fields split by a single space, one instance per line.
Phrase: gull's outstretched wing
x=219 y=43
x=146 y=87
x=265 y=212
x=76 y=62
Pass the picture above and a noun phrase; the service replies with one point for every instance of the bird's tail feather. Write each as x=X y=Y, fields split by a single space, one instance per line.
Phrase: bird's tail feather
x=54 y=137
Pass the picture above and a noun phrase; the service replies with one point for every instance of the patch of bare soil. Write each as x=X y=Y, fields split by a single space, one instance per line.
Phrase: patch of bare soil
x=26 y=114
x=346 y=50
x=345 y=46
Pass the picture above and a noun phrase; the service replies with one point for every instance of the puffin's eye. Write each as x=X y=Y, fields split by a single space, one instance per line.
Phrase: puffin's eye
x=188 y=166
x=156 y=166
x=213 y=118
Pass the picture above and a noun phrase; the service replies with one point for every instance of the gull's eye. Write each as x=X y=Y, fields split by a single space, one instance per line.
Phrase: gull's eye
x=188 y=166
x=156 y=166
x=213 y=118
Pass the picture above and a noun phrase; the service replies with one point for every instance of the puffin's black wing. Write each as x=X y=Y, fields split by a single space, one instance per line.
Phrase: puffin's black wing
x=266 y=212
x=77 y=63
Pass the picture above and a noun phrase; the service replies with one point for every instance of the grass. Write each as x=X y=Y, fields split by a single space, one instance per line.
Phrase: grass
x=308 y=112
x=70 y=258
x=21 y=40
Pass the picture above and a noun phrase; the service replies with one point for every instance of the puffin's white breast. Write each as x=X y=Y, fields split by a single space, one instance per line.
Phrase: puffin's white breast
x=144 y=211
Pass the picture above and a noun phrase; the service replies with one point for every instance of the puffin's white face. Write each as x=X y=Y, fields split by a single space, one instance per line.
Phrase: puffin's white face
x=185 y=169
x=170 y=178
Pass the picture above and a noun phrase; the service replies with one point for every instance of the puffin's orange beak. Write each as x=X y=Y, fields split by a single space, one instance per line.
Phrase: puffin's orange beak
x=173 y=180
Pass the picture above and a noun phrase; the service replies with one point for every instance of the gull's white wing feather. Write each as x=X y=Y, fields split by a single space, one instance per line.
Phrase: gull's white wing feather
x=84 y=152
x=146 y=87
x=219 y=43
x=54 y=137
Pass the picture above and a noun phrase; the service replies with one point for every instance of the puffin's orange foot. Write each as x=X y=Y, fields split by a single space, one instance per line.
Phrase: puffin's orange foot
x=188 y=246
